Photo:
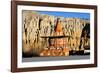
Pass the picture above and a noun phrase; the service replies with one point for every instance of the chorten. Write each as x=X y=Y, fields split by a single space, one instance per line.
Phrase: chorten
x=59 y=42
x=57 y=45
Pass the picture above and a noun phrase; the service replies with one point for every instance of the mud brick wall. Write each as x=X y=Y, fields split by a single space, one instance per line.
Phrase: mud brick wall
x=36 y=25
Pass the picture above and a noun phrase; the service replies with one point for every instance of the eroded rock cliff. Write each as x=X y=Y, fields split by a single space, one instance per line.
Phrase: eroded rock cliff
x=36 y=25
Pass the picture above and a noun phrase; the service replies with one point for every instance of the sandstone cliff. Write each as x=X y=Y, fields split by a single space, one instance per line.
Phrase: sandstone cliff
x=36 y=25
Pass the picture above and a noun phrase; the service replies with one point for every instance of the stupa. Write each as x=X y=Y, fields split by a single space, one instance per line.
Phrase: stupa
x=57 y=43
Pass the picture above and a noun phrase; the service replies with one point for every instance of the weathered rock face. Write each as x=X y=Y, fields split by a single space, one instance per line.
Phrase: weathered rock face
x=74 y=27
x=30 y=31
x=36 y=25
